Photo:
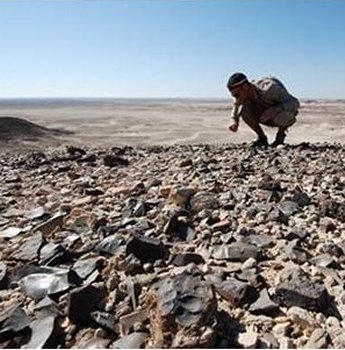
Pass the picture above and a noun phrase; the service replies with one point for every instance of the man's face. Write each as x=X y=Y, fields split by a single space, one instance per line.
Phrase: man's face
x=240 y=93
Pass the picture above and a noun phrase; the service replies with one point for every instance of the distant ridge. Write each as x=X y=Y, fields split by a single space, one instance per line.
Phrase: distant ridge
x=12 y=128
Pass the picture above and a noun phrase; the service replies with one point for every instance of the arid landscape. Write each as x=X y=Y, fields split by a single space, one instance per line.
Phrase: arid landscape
x=146 y=224
x=159 y=122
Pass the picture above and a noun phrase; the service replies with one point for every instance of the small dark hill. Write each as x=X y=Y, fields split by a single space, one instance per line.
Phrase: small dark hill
x=12 y=128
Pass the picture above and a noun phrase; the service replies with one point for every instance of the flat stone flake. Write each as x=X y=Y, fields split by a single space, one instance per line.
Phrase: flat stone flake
x=38 y=285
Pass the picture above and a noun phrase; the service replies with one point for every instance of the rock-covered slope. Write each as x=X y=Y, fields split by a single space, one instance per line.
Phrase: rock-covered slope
x=184 y=246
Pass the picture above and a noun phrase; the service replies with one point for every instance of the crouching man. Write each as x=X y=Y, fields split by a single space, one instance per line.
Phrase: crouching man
x=265 y=101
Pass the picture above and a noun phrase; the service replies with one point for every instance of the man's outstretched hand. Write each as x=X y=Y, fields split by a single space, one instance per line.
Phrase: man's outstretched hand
x=233 y=127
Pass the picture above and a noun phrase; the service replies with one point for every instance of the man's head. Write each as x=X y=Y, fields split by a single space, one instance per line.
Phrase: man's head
x=239 y=87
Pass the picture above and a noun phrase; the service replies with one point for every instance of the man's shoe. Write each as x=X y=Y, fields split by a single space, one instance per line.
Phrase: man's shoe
x=279 y=139
x=260 y=142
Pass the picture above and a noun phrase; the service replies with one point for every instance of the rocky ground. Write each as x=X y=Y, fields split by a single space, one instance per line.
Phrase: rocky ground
x=182 y=246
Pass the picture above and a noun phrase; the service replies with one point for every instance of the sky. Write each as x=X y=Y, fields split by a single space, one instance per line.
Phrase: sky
x=169 y=49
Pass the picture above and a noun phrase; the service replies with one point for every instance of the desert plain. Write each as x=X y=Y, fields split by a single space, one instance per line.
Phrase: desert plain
x=147 y=224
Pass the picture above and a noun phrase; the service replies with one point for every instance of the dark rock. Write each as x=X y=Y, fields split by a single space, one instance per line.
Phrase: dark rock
x=54 y=254
x=47 y=307
x=203 y=200
x=237 y=251
x=146 y=249
x=83 y=301
x=112 y=245
x=87 y=158
x=187 y=258
x=180 y=305
x=94 y=191
x=28 y=251
x=238 y=293
x=299 y=290
x=105 y=320
x=131 y=341
x=295 y=252
x=75 y=150
x=252 y=277
x=178 y=229
x=45 y=333
x=112 y=160
x=269 y=184
x=15 y=321
x=333 y=209
x=131 y=264
x=3 y=276
x=301 y=198
x=85 y=267
x=264 y=305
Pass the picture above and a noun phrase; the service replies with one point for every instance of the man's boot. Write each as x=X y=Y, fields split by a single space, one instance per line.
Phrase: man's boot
x=280 y=137
x=260 y=142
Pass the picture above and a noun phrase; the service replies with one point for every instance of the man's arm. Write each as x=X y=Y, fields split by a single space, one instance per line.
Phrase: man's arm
x=235 y=117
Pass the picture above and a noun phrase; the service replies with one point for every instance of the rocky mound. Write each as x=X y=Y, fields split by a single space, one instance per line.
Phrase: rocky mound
x=12 y=128
x=184 y=246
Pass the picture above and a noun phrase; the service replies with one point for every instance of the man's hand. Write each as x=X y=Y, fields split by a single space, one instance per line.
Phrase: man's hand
x=233 y=127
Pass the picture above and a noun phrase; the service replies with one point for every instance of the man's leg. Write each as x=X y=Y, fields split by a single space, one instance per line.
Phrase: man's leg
x=251 y=118
x=283 y=121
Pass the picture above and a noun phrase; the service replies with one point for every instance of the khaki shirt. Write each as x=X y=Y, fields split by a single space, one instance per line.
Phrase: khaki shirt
x=269 y=92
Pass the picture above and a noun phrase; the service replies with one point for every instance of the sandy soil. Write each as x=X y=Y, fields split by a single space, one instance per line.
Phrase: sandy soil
x=147 y=122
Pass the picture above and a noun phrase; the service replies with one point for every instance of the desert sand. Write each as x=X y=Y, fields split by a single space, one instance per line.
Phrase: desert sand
x=109 y=122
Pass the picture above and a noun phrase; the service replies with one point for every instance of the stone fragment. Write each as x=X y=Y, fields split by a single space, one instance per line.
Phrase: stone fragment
x=146 y=249
x=301 y=198
x=105 y=320
x=182 y=305
x=178 y=229
x=83 y=301
x=85 y=267
x=3 y=276
x=114 y=160
x=318 y=339
x=299 y=290
x=324 y=260
x=44 y=333
x=181 y=196
x=187 y=258
x=38 y=285
x=15 y=321
x=238 y=293
x=39 y=213
x=11 y=232
x=54 y=254
x=29 y=249
x=203 y=200
x=51 y=225
x=134 y=340
x=237 y=251
x=129 y=320
x=112 y=245
x=333 y=209
x=264 y=305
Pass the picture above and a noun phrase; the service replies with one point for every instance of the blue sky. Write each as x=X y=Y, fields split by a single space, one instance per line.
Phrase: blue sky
x=169 y=48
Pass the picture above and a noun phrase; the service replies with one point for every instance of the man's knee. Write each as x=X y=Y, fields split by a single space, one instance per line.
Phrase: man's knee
x=285 y=119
